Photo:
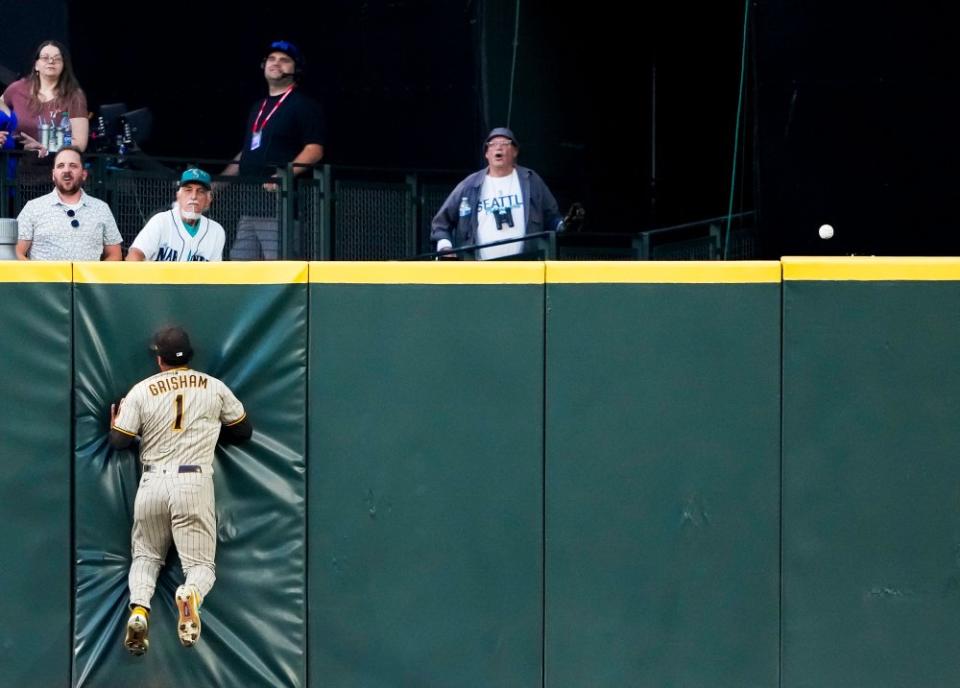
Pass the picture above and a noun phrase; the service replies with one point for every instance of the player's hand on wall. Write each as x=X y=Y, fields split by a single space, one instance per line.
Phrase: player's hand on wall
x=114 y=410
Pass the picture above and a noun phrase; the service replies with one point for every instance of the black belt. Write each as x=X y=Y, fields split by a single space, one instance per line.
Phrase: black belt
x=150 y=468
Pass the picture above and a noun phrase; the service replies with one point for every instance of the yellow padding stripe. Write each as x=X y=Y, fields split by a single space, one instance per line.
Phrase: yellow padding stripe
x=432 y=272
x=35 y=271
x=871 y=269
x=598 y=272
x=265 y=272
x=662 y=272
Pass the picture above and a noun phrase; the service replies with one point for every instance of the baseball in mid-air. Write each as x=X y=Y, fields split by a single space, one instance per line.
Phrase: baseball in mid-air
x=826 y=231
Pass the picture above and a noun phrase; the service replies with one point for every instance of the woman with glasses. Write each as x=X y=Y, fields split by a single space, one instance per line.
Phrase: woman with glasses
x=42 y=97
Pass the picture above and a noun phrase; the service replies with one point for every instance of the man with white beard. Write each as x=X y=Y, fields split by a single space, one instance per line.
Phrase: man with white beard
x=182 y=234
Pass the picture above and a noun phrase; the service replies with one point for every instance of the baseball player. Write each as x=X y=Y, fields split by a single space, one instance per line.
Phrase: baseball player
x=182 y=234
x=179 y=413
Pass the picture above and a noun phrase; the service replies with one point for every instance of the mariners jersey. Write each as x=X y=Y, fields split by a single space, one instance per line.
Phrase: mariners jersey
x=164 y=238
x=178 y=414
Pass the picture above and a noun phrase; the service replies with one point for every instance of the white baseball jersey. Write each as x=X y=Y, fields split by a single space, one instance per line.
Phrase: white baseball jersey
x=178 y=414
x=164 y=238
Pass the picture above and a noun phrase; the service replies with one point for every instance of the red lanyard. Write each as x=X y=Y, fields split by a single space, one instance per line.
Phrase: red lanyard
x=258 y=129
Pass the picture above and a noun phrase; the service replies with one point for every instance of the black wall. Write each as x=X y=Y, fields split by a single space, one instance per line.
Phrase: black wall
x=851 y=109
x=23 y=26
x=417 y=83
x=584 y=103
x=857 y=127
x=396 y=78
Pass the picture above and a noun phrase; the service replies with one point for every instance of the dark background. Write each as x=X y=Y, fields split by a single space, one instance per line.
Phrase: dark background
x=857 y=125
x=847 y=112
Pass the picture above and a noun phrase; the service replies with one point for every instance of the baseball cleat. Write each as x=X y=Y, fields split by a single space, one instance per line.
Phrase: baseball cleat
x=136 y=640
x=188 y=604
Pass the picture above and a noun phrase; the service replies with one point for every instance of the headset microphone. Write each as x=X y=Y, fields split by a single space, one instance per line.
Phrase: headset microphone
x=263 y=65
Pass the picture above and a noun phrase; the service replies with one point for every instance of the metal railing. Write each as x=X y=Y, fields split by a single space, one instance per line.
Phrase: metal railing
x=343 y=213
x=328 y=213
x=699 y=240
x=538 y=246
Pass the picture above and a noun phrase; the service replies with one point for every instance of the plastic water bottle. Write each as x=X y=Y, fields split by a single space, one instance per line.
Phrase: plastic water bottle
x=121 y=150
x=66 y=132
x=464 y=207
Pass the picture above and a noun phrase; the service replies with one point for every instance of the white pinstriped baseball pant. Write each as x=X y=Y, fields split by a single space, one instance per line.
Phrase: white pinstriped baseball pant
x=177 y=507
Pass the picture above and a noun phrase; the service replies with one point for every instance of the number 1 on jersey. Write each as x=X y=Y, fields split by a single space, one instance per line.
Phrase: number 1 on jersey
x=178 y=421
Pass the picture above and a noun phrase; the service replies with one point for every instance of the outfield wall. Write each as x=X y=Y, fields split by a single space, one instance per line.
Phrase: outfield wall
x=511 y=474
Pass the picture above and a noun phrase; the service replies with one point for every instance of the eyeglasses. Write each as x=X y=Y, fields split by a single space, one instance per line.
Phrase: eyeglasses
x=500 y=143
x=54 y=59
x=73 y=222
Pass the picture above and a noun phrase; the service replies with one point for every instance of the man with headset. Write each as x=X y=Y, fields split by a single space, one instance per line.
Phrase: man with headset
x=285 y=127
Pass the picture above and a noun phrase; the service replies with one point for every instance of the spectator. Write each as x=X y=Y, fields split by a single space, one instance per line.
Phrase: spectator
x=182 y=234
x=50 y=90
x=67 y=223
x=8 y=125
x=285 y=127
x=502 y=201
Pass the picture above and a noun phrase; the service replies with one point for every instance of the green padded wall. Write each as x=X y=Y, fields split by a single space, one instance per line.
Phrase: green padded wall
x=871 y=476
x=248 y=327
x=519 y=475
x=425 y=480
x=35 y=570
x=662 y=475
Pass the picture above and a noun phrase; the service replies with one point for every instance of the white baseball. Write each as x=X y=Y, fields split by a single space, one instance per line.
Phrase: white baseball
x=826 y=231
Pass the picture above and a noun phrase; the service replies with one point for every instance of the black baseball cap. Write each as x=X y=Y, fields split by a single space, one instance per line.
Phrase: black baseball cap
x=172 y=344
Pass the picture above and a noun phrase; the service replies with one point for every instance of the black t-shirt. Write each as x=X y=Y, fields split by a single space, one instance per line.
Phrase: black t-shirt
x=297 y=122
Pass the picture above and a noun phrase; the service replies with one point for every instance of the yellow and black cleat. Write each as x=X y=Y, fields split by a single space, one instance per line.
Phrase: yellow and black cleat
x=188 y=604
x=138 y=628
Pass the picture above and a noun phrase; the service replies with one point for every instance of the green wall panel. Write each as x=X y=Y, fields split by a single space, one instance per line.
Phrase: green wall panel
x=254 y=338
x=662 y=480
x=871 y=484
x=35 y=427
x=425 y=485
